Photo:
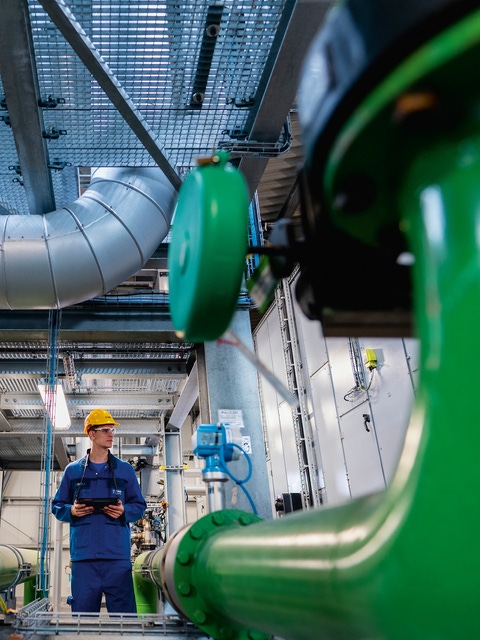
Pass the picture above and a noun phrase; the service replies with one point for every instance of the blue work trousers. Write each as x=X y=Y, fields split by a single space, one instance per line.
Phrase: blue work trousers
x=92 y=578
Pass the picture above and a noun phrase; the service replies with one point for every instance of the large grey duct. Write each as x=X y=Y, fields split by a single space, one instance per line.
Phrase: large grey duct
x=85 y=249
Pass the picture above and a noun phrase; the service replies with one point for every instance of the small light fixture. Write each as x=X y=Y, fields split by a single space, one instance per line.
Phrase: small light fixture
x=55 y=404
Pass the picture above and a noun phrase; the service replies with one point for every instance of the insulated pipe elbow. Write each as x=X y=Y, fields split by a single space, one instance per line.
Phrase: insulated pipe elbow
x=16 y=565
x=84 y=250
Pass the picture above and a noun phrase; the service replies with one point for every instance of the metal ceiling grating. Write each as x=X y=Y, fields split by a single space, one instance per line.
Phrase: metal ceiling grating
x=192 y=70
x=154 y=49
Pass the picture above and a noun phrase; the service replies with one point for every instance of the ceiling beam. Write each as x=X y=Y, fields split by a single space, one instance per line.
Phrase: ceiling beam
x=281 y=79
x=135 y=369
x=147 y=323
x=60 y=452
x=115 y=401
x=186 y=400
x=110 y=369
x=22 y=94
x=4 y=424
x=33 y=427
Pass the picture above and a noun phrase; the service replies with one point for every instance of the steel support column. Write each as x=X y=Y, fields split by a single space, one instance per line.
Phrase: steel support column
x=233 y=385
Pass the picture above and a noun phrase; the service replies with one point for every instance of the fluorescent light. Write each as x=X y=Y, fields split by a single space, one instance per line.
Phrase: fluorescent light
x=55 y=405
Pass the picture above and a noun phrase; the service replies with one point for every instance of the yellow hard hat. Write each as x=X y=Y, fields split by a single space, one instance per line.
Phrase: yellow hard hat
x=98 y=417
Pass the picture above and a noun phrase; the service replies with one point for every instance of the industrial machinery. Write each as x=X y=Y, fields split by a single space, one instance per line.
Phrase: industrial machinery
x=390 y=114
x=149 y=532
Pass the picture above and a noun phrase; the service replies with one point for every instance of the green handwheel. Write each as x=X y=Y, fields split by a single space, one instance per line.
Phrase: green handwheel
x=208 y=249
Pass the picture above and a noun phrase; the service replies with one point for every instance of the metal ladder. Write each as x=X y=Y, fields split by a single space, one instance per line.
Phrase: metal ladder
x=307 y=456
x=42 y=583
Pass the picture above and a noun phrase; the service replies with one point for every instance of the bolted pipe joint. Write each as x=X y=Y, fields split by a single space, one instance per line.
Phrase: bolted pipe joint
x=185 y=578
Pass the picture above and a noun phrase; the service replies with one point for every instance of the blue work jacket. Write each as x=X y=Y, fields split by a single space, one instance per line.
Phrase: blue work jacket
x=97 y=536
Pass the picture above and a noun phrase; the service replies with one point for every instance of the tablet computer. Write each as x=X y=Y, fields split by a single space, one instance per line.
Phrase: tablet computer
x=97 y=503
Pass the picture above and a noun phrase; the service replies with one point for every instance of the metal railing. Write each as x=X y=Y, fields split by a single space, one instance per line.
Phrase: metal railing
x=36 y=620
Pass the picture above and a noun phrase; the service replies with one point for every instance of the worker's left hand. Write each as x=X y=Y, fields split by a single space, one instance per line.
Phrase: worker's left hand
x=114 y=510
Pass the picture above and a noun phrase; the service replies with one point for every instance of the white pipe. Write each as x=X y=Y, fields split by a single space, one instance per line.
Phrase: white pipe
x=58 y=557
x=84 y=250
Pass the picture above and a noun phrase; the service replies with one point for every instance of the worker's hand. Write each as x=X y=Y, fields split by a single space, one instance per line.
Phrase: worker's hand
x=114 y=510
x=79 y=510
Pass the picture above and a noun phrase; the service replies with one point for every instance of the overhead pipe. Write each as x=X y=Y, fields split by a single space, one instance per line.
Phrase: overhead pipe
x=84 y=250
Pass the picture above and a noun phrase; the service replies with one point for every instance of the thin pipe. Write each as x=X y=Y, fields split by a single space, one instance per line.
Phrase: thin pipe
x=57 y=579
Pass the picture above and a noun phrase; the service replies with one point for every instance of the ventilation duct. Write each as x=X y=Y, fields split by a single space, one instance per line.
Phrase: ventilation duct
x=85 y=249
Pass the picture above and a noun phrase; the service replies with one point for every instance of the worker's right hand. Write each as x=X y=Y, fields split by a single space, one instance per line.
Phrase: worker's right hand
x=79 y=510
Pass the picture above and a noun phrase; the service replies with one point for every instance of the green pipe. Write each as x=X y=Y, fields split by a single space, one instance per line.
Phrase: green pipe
x=403 y=563
x=145 y=587
x=16 y=566
x=29 y=591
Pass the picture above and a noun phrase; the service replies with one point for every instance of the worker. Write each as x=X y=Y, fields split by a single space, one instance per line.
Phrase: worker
x=99 y=496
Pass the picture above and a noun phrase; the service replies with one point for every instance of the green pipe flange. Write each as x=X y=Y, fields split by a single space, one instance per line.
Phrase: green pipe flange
x=194 y=602
x=208 y=249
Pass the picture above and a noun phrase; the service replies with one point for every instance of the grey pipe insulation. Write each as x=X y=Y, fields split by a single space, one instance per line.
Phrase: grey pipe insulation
x=84 y=250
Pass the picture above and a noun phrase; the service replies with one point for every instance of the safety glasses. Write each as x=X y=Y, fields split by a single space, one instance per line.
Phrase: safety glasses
x=111 y=430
